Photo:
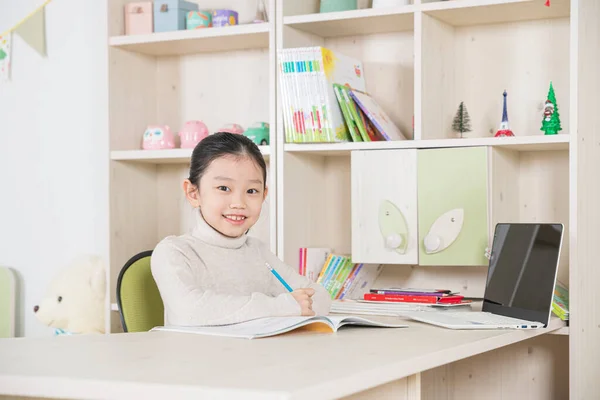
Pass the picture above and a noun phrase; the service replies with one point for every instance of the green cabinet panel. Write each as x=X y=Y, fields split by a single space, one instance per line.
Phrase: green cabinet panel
x=452 y=190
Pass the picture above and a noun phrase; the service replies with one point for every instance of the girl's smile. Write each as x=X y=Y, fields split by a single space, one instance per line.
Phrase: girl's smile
x=235 y=219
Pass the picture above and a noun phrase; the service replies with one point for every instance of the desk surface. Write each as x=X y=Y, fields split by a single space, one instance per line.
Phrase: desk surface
x=297 y=365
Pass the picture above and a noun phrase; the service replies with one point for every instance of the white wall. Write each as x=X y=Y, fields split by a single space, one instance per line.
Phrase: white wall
x=53 y=148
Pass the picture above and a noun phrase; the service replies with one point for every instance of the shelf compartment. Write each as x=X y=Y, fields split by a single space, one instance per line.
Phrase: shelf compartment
x=229 y=38
x=469 y=64
x=166 y=156
x=480 y=12
x=356 y=22
x=518 y=143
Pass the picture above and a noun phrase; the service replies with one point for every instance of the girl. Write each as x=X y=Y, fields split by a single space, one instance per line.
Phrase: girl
x=217 y=274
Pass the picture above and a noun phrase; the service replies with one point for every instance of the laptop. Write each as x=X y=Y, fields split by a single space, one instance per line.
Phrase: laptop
x=520 y=281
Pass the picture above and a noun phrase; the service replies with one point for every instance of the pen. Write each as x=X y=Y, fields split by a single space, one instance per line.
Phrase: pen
x=284 y=283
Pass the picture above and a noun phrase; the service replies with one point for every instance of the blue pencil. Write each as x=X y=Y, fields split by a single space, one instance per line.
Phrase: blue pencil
x=284 y=283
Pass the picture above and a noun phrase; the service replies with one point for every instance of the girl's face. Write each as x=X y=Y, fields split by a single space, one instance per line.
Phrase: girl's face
x=231 y=194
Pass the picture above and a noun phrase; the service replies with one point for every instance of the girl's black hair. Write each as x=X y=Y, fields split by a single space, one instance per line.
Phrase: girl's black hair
x=221 y=144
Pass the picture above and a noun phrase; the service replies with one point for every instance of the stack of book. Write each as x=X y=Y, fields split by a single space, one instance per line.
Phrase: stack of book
x=324 y=99
x=388 y=308
x=395 y=301
x=411 y=295
x=342 y=278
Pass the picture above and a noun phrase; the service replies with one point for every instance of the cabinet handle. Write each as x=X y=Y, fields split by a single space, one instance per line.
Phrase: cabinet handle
x=393 y=227
x=444 y=231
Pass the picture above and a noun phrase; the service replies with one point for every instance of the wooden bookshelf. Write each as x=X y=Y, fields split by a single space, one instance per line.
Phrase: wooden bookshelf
x=420 y=61
x=218 y=76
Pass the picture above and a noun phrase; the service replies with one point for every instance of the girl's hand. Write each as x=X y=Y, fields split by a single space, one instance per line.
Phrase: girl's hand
x=304 y=298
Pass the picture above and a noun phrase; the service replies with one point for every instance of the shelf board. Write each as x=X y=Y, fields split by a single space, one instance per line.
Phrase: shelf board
x=356 y=22
x=166 y=156
x=228 y=38
x=562 y=331
x=479 y=12
x=518 y=143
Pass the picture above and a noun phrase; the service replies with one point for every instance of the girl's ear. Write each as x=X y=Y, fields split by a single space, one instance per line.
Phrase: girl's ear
x=265 y=192
x=192 y=193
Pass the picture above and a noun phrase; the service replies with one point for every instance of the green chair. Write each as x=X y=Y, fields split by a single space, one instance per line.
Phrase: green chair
x=8 y=298
x=140 y=305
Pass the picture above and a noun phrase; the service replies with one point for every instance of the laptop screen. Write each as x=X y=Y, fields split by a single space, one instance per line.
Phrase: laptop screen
x=522 y=270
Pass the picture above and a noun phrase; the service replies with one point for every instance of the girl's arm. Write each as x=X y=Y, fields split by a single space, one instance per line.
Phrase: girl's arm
x=321 y=298
x=186 y=304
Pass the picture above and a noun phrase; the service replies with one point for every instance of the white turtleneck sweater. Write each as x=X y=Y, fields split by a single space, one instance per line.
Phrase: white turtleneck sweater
x=205 y=278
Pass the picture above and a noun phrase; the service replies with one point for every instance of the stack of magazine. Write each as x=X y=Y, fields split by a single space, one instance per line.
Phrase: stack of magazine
x=560 y=301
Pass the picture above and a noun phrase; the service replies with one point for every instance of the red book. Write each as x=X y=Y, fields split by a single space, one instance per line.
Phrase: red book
x=413 y=299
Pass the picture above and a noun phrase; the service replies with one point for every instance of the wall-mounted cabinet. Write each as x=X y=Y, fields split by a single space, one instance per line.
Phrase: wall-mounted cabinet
x=452 y=189
x=384 y=206
x=434 y=207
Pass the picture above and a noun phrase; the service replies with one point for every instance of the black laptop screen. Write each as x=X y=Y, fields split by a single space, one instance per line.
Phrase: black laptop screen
x=522 y=270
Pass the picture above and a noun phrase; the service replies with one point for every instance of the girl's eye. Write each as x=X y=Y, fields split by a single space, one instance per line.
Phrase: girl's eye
x=223 y=188
x=252 y=191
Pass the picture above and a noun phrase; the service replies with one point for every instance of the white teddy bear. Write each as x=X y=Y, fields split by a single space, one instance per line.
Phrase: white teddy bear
x=75 y=300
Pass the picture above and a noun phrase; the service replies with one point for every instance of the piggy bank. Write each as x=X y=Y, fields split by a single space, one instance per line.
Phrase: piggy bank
x=232 y=128
x=192 y=133
x=158 y=137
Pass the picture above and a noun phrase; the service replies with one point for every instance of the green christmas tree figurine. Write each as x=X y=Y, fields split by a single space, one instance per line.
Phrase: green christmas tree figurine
x=551 y=121
x=462 y=121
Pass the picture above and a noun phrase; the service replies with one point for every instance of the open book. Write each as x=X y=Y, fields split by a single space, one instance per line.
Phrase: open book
x=264 y=327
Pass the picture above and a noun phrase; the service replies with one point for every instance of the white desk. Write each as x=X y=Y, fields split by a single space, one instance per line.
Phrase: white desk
x=298 y=365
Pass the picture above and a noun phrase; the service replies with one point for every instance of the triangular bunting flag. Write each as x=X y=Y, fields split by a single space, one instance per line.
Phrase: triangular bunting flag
x=33 y=31
x=5 y=57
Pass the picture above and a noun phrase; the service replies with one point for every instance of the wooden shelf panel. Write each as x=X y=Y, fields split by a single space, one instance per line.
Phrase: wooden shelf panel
x=562 y=331
x=229 y=38
x=398 y=19
x=355 y=22
x=478 y=12
x=517 y=143
x=166 y=156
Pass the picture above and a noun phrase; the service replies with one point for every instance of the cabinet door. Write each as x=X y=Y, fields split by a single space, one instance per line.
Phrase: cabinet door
x=384 y=206
x=453 y=206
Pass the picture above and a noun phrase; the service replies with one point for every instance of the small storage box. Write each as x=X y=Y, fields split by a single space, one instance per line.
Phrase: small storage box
x=198 y=20
x=224 y=18
x=170 y=15
x=138 y=18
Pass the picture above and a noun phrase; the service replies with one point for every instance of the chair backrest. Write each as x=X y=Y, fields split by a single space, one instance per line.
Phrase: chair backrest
x=140 y=305
x=8 y=298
